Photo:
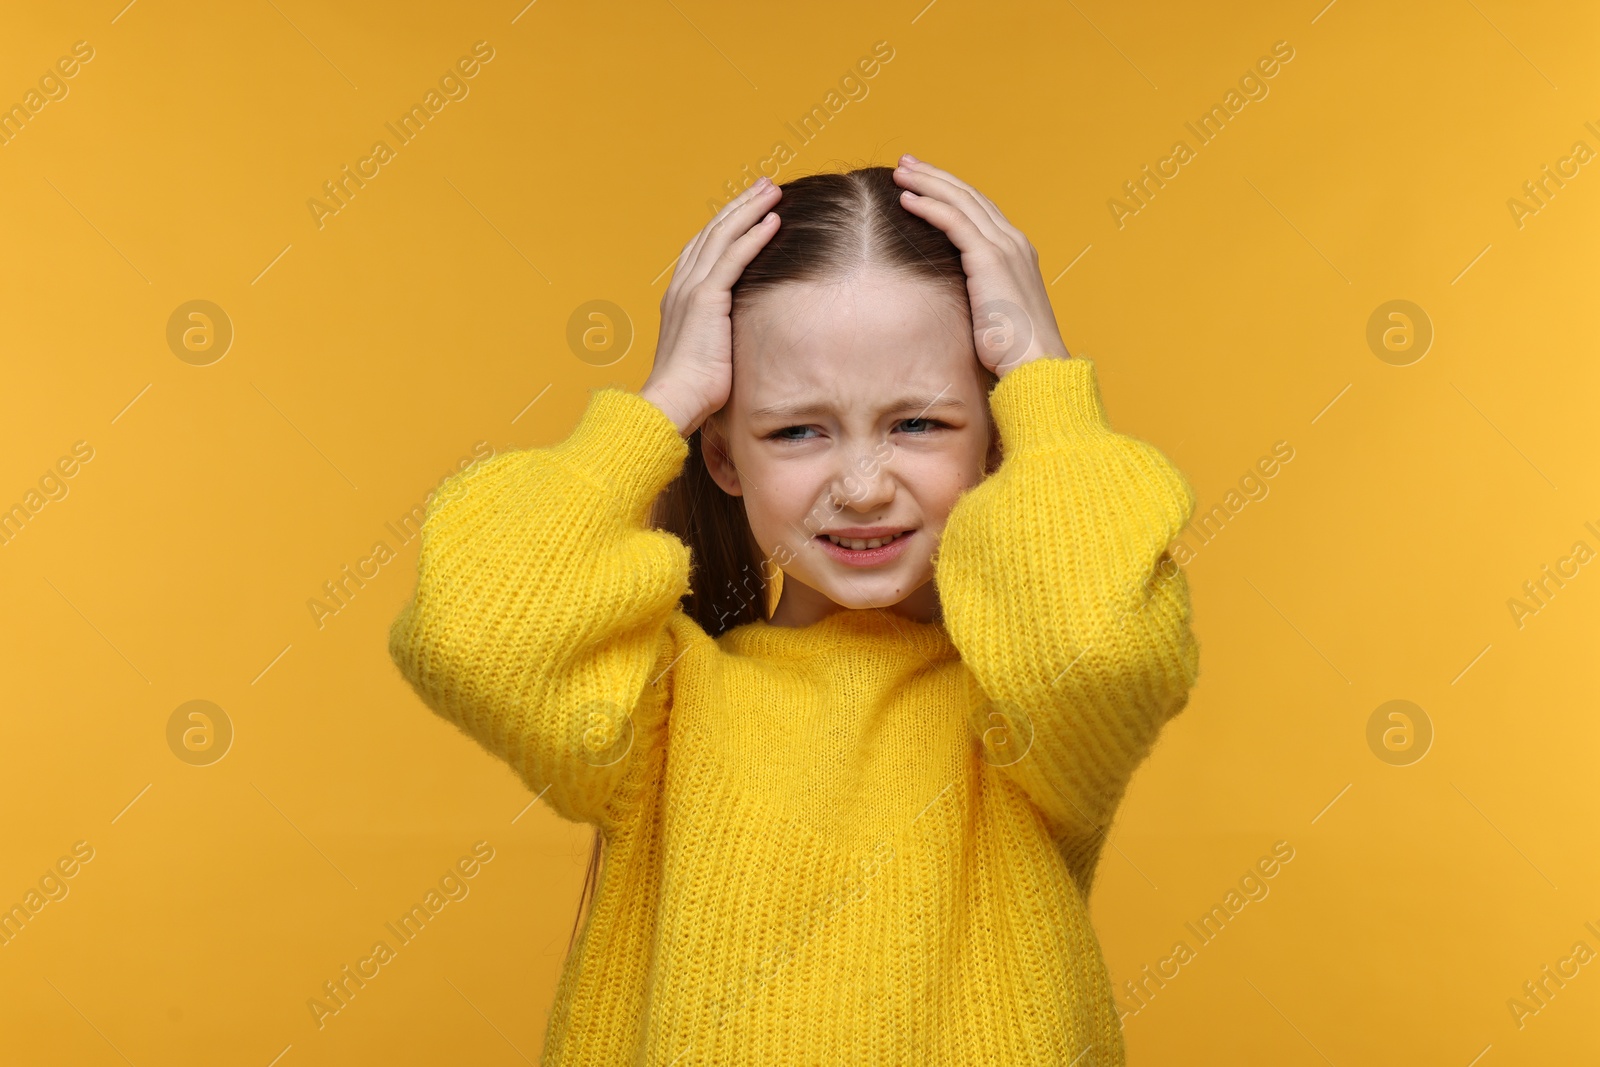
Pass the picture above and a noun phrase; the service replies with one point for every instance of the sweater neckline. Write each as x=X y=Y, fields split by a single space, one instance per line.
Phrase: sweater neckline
x=848 y=627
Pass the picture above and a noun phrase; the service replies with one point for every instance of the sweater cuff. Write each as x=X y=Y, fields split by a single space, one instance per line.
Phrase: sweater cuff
x=626 y=446
x=1047 y=402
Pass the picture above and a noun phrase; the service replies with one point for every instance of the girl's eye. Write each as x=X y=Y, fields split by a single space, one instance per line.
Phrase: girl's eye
x=921 y=426
x=916 y=427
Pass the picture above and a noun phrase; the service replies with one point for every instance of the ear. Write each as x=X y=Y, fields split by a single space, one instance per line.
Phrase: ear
x=714 y=451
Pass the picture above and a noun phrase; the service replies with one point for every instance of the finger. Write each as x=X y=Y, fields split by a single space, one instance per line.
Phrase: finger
x=941 y=183
x=988 y=205
x=925 y=184
x=732 y=261
x=995 y=214
x=750 y=191
x=957 y=224
x=735 y=218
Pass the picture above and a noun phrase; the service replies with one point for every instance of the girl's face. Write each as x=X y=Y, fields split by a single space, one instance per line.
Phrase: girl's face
x=858 y=409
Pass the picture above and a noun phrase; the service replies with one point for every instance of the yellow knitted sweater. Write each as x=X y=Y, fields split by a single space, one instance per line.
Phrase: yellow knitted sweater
x=867 y=840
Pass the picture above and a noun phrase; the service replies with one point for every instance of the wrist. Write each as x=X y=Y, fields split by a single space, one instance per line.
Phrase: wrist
x=685 y=412
x=1032 y=357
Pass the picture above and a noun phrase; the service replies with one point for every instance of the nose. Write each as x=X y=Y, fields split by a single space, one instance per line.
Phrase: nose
x=863 y=484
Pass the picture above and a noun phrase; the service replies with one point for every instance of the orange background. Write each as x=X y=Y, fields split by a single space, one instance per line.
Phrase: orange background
x=372 y=353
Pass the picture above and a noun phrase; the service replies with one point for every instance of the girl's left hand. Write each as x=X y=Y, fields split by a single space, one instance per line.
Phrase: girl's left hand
x=1012 y=321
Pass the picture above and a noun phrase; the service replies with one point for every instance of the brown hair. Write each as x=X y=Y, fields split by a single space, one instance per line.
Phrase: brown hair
x=830 y=225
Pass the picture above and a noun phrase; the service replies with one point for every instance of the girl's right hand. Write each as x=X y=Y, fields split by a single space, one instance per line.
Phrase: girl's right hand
x=693 y=372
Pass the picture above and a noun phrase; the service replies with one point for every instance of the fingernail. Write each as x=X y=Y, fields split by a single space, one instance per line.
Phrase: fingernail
x=909 y=158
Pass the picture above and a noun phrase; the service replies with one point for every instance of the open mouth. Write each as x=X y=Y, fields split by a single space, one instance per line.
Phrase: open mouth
x=865 y=551
x=856 y=544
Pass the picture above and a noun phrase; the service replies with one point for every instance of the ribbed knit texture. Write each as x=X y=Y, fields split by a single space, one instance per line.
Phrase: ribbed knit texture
x=867 y=840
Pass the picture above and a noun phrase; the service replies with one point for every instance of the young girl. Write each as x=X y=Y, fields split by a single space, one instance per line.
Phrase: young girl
x=852 y=697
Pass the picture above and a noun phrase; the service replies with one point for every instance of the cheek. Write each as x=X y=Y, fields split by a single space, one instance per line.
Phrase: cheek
x=778 y=510
x=937 y=506
x=947 y=476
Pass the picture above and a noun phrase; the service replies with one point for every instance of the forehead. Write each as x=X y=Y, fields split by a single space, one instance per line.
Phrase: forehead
x=853 y=344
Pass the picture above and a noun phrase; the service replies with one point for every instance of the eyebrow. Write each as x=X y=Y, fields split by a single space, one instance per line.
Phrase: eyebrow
x=923 y=403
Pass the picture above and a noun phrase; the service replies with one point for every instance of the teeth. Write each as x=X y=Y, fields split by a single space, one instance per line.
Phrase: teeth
x=858 y=545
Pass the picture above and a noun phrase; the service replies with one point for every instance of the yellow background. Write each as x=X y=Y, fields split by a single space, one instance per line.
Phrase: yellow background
x=431 y=313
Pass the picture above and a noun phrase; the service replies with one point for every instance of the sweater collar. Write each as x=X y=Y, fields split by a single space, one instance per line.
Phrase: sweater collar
x=859 y=629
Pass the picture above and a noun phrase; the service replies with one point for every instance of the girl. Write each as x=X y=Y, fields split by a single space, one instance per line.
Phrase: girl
x=853 y=707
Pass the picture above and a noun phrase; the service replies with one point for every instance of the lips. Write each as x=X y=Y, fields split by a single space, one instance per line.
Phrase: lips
x=885 y=552
x=860 y=541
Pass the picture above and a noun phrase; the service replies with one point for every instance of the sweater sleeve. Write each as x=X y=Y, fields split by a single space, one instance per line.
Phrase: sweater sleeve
x=539 y=625
x=1058 y=590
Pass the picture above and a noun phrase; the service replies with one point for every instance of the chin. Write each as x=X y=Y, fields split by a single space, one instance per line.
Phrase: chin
x=877 y=591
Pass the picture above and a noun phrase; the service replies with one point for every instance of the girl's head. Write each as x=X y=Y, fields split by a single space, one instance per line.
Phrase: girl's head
x=858 y=402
